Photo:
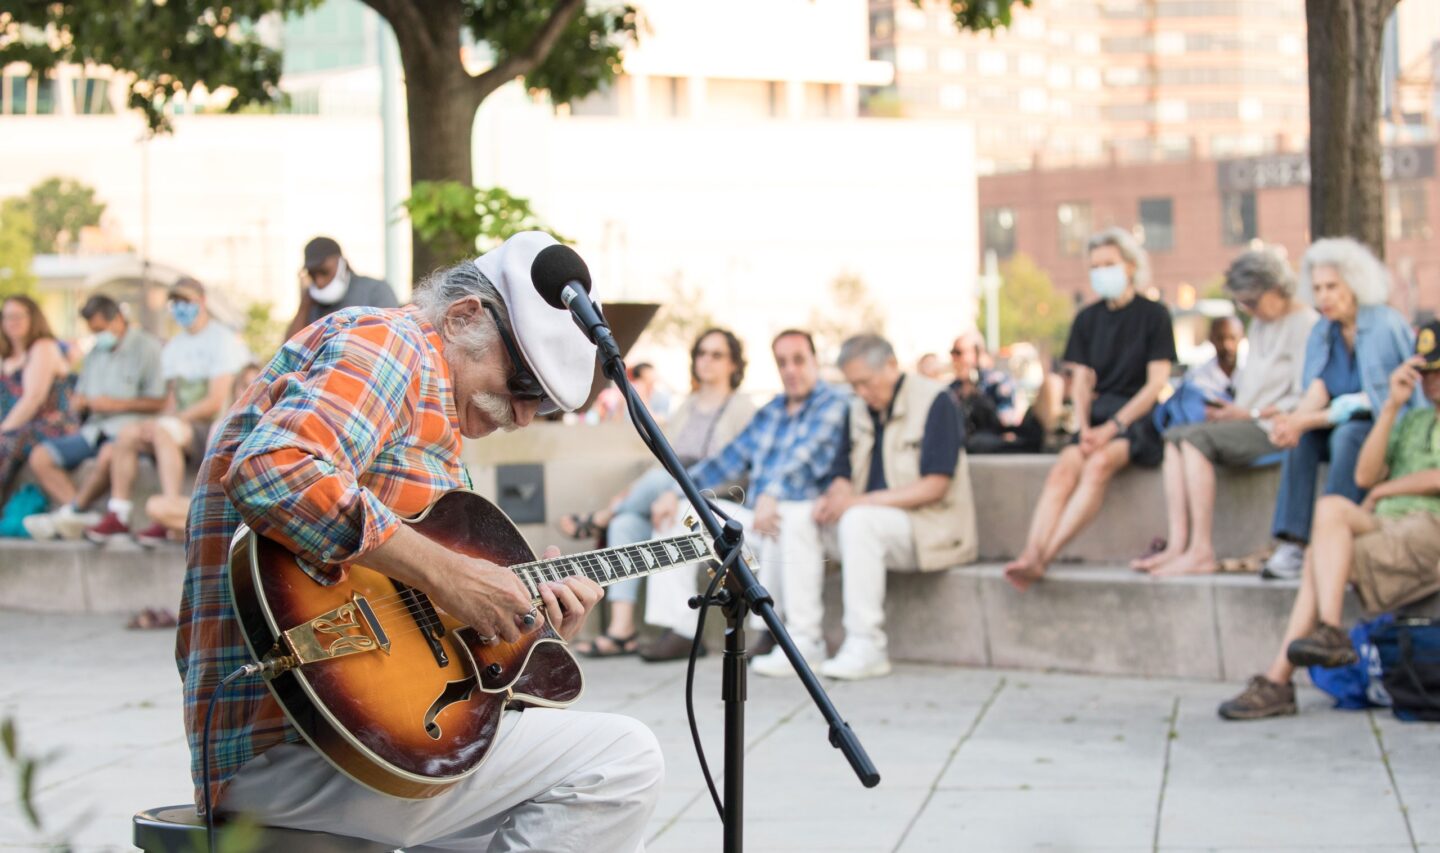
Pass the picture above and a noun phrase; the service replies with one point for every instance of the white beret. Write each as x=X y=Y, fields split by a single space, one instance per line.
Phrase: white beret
x=558 y=353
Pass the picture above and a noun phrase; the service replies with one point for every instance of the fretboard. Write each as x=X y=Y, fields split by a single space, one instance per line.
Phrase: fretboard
x=612 y=565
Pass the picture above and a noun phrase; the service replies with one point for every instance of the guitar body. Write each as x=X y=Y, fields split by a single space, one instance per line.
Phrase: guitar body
x=362 y=681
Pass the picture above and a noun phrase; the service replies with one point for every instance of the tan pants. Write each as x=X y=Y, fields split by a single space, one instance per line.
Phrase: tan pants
x=1397 y=564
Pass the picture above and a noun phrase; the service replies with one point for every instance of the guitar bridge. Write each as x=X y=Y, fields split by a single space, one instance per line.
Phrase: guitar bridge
x=349 y=629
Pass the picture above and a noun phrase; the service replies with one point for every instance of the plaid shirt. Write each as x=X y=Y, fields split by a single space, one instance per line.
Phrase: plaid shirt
x=351 y=426
x=785 y=456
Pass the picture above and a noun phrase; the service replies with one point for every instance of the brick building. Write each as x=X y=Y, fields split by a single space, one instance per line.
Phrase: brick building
x=1195 y=216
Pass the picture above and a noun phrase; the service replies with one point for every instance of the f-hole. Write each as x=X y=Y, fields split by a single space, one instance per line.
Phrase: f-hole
x=455 y=691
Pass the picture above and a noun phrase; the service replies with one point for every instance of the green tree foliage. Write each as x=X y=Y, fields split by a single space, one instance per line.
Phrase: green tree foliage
x=982 y=15
x=263 y=333
x=457 y=221
x=60 y=207
x=17 y=239
x=1031 y=309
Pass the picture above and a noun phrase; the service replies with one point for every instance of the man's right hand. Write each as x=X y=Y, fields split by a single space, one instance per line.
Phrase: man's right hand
x=1403 y=381
x=486 y=597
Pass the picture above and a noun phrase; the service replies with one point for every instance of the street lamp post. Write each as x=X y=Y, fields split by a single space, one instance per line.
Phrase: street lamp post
x=990 y=285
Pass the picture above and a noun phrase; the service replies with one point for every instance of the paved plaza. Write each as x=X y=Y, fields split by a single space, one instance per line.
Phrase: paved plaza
x=972 y=760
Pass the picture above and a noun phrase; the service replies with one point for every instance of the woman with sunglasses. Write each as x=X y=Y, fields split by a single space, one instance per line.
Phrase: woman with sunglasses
x=709 y=418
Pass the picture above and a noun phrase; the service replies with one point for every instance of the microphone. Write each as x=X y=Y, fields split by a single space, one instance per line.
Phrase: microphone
x=562 y=280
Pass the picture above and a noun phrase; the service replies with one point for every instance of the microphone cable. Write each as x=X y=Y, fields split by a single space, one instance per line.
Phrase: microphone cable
x=690 y=678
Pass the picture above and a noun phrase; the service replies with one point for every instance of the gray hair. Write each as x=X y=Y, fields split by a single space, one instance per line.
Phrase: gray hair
x=1257 y=272
x=1129 y=249
x=1361 y=271
x=874 y=349
x=449 y=285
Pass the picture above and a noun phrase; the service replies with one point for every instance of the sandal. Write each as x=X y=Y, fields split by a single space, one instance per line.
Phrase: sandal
x=1250 y=564
x=620 y=646
x=584 y=526
x=149 y=619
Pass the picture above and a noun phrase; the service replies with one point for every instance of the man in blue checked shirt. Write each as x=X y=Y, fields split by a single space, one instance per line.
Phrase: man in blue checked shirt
x=785 y=454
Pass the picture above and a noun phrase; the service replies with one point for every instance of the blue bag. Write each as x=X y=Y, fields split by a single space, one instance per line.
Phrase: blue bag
x=1185 y=406
x=1409 y=652
x=1357 y=686
x=28 y=500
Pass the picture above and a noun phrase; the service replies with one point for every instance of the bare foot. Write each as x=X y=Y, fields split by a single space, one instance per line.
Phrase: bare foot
x=1154 y=561
x=1024 y=571
x=1189 y=563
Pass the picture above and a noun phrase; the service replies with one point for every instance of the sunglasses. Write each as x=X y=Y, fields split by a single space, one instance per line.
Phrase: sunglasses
x=521 y=384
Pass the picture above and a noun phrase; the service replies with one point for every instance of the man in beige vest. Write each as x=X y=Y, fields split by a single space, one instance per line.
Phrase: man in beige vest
x=899 y=498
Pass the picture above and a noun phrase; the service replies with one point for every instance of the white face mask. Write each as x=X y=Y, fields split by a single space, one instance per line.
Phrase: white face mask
x=335 y=290
x=1108 y=282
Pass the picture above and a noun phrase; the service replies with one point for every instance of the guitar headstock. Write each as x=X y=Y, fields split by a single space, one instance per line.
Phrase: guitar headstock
x=692 y=524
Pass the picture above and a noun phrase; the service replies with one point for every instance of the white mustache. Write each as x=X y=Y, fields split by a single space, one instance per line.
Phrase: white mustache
x=496 y=407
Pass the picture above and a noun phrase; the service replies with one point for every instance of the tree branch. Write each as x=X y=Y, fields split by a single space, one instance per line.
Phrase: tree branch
x=526 y=61
x=406 y=19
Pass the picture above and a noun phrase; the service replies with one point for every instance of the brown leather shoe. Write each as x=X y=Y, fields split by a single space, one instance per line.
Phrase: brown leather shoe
x=1262 y=698
x=669 y=646
x=764 y=643
x=1326 y=646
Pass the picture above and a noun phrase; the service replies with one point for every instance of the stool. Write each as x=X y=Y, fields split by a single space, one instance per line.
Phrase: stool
x=178 y=829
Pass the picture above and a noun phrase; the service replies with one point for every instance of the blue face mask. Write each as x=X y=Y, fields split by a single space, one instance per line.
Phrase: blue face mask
x=185 y=313
x=1108 y=282
x=105 y=341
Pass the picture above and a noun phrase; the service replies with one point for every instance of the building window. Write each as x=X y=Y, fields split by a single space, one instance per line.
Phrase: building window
x=44 y=96
x=911 y=58
x=1407 y=213
x=992 y=63
x=997 y=226
x=1074 y=221
x=92 y=97
x=1157 y=221
x=19 y=88
x=1237 y=218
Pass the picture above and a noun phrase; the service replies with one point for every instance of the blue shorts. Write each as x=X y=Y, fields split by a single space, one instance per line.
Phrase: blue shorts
x=69 y=451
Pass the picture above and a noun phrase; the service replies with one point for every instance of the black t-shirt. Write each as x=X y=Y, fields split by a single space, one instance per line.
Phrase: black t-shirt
x=1118 y=345
x=940 y=443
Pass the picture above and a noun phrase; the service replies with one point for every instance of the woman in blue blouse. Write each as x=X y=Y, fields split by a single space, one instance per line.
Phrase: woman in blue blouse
x=1357 y=343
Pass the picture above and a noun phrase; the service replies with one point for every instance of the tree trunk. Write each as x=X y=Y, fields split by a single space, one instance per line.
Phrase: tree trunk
x=441 y=99
x=1347 y=192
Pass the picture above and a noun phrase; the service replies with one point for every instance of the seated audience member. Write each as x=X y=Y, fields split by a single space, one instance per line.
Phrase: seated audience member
x=899 y=497
x=708 y=419
x=1216 y=378
x=1353 y=348
x=1120 y=351
x=1387 y=547
x=1234 y=434
x=33 y=380
x=986 y=397
x=784 y=453
x=119 y=384
x=172 y=511
x=328 y=284
x=199 y=364
x=929 y=366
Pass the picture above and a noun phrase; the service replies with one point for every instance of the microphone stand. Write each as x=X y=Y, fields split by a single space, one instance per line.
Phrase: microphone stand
x=742 y=593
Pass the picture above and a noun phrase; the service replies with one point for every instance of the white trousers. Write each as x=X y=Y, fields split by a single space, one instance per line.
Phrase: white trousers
x=667 y=595
x=867 y=540
x=555 y=781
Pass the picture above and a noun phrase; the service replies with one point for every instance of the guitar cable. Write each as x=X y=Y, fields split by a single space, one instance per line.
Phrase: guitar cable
x=690 y=678
x=244 y=671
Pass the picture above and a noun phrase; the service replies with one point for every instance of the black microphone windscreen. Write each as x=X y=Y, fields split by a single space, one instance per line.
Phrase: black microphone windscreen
x=555 y=267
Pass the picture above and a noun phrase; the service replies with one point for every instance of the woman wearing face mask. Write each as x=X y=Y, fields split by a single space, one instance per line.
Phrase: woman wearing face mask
x=33 y=407
x=1352 y=350
x=1120 y=352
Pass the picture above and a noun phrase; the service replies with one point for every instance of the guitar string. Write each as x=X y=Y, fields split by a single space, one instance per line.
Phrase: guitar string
x=590 y=565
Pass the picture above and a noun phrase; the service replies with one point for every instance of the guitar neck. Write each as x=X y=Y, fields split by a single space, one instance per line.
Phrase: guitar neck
x=613 y=565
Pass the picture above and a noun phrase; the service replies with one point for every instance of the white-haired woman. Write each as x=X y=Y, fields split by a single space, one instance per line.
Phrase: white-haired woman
x=1234 y=434
x=1120 y=351
x=1352 y=350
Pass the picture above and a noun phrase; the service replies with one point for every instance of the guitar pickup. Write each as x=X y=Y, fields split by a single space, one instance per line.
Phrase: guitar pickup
x=349 y=629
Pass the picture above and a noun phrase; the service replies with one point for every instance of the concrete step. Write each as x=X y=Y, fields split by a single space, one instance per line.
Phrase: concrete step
x=77 y=577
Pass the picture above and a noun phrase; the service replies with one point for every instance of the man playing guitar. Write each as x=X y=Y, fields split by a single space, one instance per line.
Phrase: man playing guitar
x=354 y=425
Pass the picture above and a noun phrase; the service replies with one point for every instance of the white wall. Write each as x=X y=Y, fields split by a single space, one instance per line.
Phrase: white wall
x=233 y=199
x=764 y=214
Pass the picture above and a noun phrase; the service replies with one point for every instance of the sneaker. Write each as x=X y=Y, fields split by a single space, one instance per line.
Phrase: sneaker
x=1262 y=698
x=1326 y=646
x=774 y=664
x=70 y=525
x=40 y=527
x=857 y=660
x=155 y=534
x=1286 y=564
x=110 y=527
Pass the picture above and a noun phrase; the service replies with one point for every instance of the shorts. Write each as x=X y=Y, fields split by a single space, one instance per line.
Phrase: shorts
x=1236 y=444
x=1398 y=564
x=192 y=436
x=70 y=450
x=1147 y=449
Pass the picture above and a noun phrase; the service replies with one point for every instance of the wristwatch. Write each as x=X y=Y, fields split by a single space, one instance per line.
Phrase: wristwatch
x=1255 y=414
x=1115 y=419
